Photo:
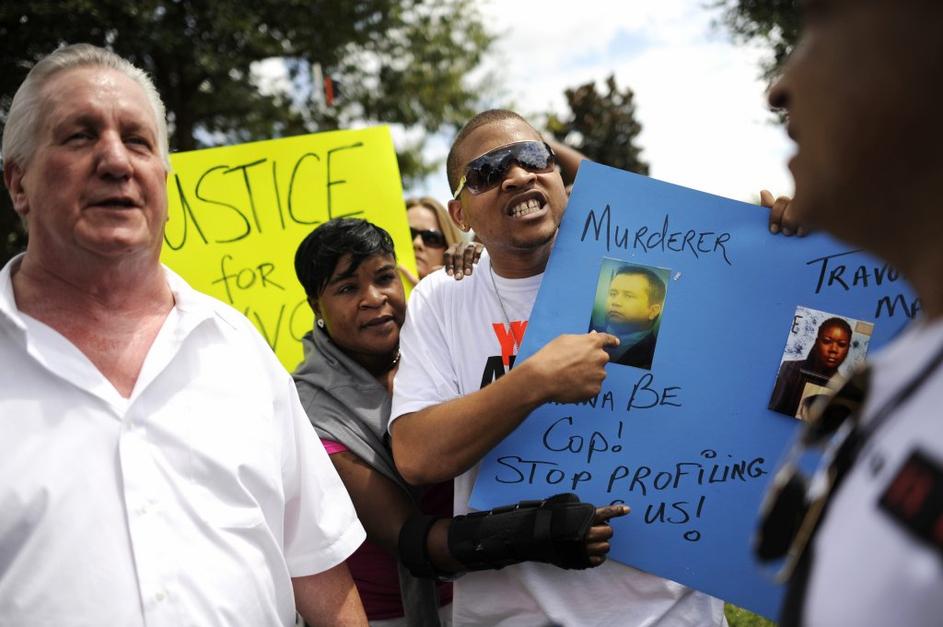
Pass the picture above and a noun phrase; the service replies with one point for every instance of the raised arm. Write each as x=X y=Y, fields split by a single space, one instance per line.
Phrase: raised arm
x=443 y=441
x=568 y=157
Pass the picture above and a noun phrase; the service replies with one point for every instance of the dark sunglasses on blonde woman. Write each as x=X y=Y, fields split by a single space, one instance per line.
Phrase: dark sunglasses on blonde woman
x=430 y=238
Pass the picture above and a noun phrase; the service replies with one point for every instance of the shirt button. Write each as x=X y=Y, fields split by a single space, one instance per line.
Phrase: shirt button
x=160 y=596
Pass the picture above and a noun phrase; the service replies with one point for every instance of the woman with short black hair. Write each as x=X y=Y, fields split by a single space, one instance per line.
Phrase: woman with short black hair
x=348 y=270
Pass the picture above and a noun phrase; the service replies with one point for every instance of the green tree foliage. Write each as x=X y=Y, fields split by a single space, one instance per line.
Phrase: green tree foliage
x=739 y=617
x=775 y=23
x=602 y=125
x=396 y=61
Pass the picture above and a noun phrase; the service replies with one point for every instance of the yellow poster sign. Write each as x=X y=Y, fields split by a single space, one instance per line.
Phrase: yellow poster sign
x=237 y=214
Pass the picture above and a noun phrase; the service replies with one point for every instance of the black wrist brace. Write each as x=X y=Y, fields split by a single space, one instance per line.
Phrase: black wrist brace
x=552 y=531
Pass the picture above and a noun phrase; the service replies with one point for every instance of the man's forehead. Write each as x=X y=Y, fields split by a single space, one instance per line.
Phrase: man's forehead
x=67 y=91
x=630 y=278
x=60 y=85
x=493 y=135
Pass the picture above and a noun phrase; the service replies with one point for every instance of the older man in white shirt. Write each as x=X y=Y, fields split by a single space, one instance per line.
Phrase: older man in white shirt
x=156 y=466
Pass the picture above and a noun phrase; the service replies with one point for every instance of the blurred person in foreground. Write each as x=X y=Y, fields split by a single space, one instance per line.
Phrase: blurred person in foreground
x=862 y=93
x=348 y=269
x=156 y=466
x=456 y=395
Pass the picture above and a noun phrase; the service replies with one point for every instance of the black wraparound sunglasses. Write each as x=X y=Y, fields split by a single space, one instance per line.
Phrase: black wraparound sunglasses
x=487 y=171
x=430 y=237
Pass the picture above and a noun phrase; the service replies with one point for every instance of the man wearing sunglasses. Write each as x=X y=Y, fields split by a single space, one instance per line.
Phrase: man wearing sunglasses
x=456 y=396
x=862 y=91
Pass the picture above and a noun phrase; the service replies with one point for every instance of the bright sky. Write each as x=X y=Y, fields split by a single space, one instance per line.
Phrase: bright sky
x=699 y=97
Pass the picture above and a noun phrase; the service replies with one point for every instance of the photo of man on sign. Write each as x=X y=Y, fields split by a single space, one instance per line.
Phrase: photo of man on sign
x=629 y=301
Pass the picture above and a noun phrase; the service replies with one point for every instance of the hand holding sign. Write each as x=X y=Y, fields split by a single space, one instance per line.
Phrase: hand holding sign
x=570 y=368
x=781 y=219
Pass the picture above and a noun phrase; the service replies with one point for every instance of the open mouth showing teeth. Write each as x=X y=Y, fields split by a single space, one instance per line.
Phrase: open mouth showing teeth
x=527 y=207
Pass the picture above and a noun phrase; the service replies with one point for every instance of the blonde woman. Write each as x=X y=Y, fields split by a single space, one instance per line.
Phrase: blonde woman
x=437 y=241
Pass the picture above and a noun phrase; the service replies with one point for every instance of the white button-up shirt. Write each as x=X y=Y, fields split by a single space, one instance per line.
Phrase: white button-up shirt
x=193 y=502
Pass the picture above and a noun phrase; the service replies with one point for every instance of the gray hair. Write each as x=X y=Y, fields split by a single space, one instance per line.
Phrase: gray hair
x=20 y=131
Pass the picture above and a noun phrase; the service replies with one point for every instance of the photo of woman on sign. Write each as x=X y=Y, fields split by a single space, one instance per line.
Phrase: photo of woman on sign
x=834 y=341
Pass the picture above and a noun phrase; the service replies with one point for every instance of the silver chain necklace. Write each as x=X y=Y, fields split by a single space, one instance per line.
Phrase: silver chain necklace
x=494 y=284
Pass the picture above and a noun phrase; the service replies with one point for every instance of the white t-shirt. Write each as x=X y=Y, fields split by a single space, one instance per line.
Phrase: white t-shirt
x=459 y=336
x=868 y=568
x=193 y=502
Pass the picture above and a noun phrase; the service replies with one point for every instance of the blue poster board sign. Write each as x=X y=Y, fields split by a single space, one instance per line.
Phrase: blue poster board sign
x=686 y=438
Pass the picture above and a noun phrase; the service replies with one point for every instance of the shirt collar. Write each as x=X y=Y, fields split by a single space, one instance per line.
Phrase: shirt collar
x=187 y=300
x=191 y=304
x=8 y=309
